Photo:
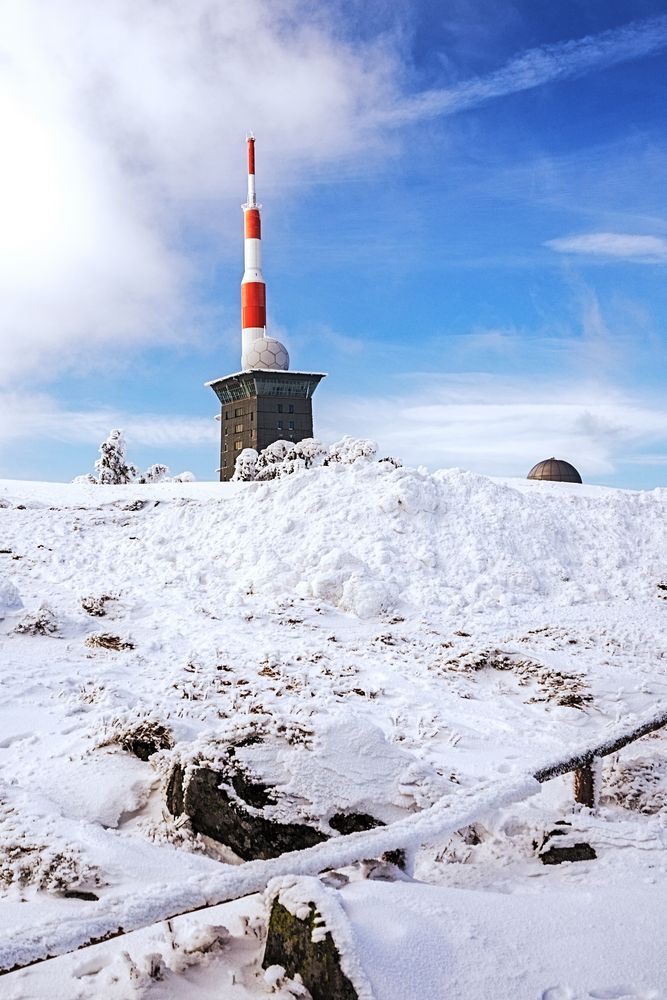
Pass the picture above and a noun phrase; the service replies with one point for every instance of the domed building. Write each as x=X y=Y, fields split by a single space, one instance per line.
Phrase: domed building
x=555 y=470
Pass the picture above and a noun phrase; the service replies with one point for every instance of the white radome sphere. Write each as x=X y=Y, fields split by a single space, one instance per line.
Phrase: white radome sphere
x=265 y=352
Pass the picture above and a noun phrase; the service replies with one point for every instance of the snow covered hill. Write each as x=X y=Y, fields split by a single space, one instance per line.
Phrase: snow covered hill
x=478 y=626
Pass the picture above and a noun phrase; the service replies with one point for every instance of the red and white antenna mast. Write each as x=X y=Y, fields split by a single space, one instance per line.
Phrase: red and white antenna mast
x=257 y=350
x=253 y=289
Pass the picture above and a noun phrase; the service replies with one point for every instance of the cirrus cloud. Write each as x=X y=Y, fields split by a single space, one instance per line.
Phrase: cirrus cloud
x=502 y=425
x=613 y=246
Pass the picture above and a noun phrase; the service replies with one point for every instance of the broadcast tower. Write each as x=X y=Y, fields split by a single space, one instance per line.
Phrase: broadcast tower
x=264 y=402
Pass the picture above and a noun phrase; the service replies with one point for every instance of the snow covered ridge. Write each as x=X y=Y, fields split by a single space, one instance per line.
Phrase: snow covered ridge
x=371 y=539
x=474 y=626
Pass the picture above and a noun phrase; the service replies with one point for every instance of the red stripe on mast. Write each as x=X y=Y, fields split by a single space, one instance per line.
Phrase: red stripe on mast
x=253 y=305
x=253 y=225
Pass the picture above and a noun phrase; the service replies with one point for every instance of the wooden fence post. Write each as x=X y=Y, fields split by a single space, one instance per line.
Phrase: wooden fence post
x=584 y=784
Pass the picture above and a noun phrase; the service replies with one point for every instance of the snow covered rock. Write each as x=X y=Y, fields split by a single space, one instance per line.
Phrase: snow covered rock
x=293 y=945
x=561 y=844
x=264 y=794
x=222 y=813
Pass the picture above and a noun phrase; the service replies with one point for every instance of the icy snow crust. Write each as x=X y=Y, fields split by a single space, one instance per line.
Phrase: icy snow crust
x=447 y=630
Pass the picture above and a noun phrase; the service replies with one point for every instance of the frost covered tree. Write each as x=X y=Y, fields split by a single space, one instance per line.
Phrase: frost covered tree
x=283 y=458
x=349 y=450
x=154 y=474
x=112 y=466
x=245 y=469
x=160 y=474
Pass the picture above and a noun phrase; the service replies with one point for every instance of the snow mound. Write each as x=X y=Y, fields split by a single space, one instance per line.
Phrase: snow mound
x=10 y=599
x=370 y=539
x=98 y=788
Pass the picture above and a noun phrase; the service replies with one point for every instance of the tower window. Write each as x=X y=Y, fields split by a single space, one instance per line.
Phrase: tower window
x=238 y=445
x=280 y=407
x=291 y=408
x=291 y=425
x=238 y=428
x=238 y=412
x=280 y=425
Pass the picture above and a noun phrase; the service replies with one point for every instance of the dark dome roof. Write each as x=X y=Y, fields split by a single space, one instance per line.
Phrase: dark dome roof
x=555 y=470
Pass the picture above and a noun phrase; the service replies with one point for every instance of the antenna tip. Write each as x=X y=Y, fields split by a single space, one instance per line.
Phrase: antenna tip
x=249 y=136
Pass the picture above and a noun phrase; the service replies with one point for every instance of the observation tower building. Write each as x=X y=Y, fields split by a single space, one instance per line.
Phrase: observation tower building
x=265 y=401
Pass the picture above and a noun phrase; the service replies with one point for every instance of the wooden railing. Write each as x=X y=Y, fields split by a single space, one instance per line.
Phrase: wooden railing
x=582 y=763
x=120 y=914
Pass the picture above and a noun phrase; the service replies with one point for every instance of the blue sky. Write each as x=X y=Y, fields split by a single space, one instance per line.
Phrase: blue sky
x=463 y=225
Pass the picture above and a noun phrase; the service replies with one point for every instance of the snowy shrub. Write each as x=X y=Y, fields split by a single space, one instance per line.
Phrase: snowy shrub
x=51 y=869
x=141 y=737
x=105 y=640
x=40 y=622
x=160 y=474
x=96 y=606
x=113 y=468
x=283 y=458
x=639 y=784
x=246 y=466
x=271 y=461
x=180 y=949
x=552 y=685
x=349 y=450
x=93 y=694
x=34 y=854
x=154 y=474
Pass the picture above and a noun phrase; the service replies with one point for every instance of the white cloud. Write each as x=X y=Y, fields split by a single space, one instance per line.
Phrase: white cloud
x=38 y=416
x=122 y=137
x=535 y=67
x=122 y=121
x=501 y=426
x=492 y=424
x=617 y=246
